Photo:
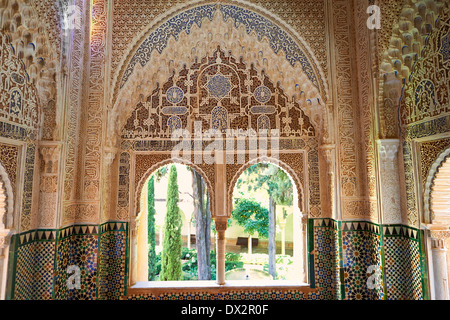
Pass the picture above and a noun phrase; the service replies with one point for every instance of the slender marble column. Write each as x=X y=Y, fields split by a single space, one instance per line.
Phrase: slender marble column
x=439 y=254
x=221 y=226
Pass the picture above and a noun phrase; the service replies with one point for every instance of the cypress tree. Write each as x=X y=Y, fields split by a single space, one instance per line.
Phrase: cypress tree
x=172 y=244
x=151 y=230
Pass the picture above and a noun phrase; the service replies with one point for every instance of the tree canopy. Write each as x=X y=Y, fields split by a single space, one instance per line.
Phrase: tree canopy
x=271 y=178
x=151 y=230
x=250 y=215
x=172 y=244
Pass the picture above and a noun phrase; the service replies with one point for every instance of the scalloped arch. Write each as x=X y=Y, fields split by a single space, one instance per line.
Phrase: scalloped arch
x=145 y=64
x=6 y=201
x=140 y=184
x=285 y=167
x=255 y=19
x=430 y=183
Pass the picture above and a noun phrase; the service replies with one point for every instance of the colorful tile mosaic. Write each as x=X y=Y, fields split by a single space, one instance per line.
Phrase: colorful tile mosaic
x=361 y=248
x=77 y=246
x=340 y=254
x=34 y=268
x=232 y=295
x=402 y=263
x=325 y=262
x=113 y=261
x=24 y=272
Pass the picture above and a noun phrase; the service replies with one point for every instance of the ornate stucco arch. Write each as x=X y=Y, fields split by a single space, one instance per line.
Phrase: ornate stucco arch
x=300 y=214
x=6 y=201
x=432 y=178
x=147 y=63
x=6 y=225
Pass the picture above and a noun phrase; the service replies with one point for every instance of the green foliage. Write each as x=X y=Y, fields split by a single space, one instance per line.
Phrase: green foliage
x=157 y=266
x=284 y=265
x=231 y=256
x=185 y=252
x=172 y=243
x=250 y=215
x=190 y=267
x=160 y=173
x=151 y=230
x=229 y=224
x=271 y=178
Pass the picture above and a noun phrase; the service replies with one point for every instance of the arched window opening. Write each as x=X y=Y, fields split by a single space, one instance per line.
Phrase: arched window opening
x=264 y=234
x=439 y=204
x=6 y=226
x=175 y=238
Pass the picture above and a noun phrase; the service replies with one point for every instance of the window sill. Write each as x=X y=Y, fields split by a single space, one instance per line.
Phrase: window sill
x=159 y=287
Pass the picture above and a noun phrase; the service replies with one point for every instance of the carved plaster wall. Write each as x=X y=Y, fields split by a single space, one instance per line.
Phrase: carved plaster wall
x=424 y=117
x=194 y=94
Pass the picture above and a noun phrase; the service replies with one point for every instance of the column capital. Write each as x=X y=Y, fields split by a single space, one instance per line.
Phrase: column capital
x=388 y=149
x=327 y=151
x=50 y=152
x=109 y=157
x=5 y=235
x=438 y=244
x=221 y=224
x=50 y=155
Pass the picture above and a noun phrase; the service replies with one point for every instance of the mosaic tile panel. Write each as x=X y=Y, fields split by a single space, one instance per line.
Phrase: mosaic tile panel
x=113 y=261
x=232 y=295
x=77 y=245
x=325 y=262
x=402 y=263
x=24 y=272
x=338 y=260
x=339 y=252
x=361 y=247
x=43 y=270
x=34 y=268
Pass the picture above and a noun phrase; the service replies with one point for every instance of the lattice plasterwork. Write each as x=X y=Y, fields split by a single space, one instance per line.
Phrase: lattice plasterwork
x=423 y=110
x=427 y=93
x=132 y=17
x=188 y=96
x=198 y=101
x=409 y=37
x=254 y=23
x=18 y=97
x=160 y=69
